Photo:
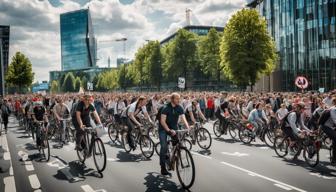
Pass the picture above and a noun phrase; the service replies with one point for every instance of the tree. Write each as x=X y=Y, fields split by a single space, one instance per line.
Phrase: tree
x=209 y=54
x=77 y=84
x=122 y=79
x=20 y=73
x=84 y=82
x=54 y=87
x=247 y=50
x=154 y=63
x=69 y=83
x=181 y=55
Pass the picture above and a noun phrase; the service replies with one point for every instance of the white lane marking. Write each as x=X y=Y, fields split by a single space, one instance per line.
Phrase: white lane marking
x=264 y=148
x=9 y=184
x=28 y=164
x=34 y=181
x=195 y=153
x=38 y=190
x=263 y=177
x=322 y=176
x=111 y=159
x=8 y=157
x=11 y=172
x=235 y=154
x=88 y=188
x=283 y=187
x=57 y=163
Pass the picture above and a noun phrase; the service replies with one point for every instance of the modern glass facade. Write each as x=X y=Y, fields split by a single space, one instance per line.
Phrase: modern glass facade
x=4 y=55
x=197 y=29
x=305 y=36
x=78 y=43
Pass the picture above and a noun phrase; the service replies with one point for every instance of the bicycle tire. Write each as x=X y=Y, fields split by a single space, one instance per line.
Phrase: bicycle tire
x=179 y=162
x=216 y=129
x=245 y=133
x=112 y=130
x=81 y=153
x=269 y=138
x=307 y=159
x=234 y=132
x=146 y=140
x=281 y=143
x=102 y=151
x=200 y=136
x=45 y=148
x=125 y=143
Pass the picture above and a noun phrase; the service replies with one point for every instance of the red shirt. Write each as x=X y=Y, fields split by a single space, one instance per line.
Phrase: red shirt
x=210 y=104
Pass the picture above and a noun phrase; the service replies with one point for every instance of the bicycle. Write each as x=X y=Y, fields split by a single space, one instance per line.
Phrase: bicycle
x=69 y=133
x=179 y=158
x=92 y=146
x=115 y=128
x=139 y=136
x=202 y=136
x=310 y=144
x=42 y=140
x=223 y=129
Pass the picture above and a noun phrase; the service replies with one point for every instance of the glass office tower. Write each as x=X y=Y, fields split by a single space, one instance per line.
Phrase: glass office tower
x=4 y=55
x=305 y=36
x=78 y=43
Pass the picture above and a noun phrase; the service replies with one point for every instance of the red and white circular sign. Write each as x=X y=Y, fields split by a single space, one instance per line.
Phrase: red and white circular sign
x=301 y=82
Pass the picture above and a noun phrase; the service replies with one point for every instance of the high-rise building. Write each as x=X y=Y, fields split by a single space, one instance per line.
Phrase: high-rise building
x=4 y=54
x=305 y=36
x=78 y=43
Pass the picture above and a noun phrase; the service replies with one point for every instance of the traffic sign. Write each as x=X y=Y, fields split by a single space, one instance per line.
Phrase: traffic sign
x=181 y=83
x=89 y=86
x=301 y=82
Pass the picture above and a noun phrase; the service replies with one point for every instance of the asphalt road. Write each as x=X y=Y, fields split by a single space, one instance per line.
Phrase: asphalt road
x=229 y=166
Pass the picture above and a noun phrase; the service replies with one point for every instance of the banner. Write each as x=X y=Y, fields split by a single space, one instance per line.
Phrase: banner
x=181 y=83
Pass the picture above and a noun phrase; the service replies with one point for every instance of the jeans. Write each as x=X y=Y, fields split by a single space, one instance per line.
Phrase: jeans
x=130 y=126
x=164 y=147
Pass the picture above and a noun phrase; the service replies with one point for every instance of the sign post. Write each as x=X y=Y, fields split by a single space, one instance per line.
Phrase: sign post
x=181 y=83
x=301 y=82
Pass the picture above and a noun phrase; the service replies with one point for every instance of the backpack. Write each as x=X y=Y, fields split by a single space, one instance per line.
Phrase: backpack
x=324 y=117
x=285 y=120
x=158 y=115
x=73 y=109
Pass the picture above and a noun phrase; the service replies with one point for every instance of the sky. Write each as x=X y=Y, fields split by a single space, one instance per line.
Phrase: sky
x=35 y=25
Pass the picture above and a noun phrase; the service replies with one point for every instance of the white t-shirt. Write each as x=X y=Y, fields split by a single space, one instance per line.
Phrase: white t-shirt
x=281 y=113
x=132 y=109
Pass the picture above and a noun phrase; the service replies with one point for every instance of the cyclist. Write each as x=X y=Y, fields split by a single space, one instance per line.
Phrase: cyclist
x=38 y=112
x=169 y=117
x=61 y=111
x=81 y=118
x=294 y=124
x=193 y=113
x=130 y=116
x=5 y=112
x=222 y=113
x=258 y=118
x=329 y=128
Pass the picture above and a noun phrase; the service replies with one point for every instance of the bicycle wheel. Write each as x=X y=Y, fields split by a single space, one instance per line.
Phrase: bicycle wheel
x=269 y=138
x=125 y=143
x=81 y=154
x=203 y=138
x=185 y=167
x=99 y=155
x=157 y=148
x=245 y=136
x=45 y=148
x=281 y=145
x=311 y=155
x=113 y=133
x=146 y=146
x=187 y=144
x=153 y=133
x=216 y=129
x=233 y=131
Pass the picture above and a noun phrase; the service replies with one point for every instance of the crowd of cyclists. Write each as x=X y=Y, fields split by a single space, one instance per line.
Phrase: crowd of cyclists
x=287 y=122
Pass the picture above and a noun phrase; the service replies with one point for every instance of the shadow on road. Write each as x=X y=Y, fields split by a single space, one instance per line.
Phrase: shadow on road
x=114 y=144
x=221 y=139
x=76 y=172
x=156 y=182
x=128 y=157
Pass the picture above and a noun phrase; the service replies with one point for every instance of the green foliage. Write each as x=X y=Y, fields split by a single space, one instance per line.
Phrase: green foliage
x=247 y=50
x=209 y=54
x=69 y=83
x=77 y=84
x=180 y=55
x=108 y=80
x=20 y=73
x=84 y=82
x=154 y=63
x=54 y=87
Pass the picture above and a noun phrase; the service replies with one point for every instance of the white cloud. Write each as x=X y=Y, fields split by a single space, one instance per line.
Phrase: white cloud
x=35 y=25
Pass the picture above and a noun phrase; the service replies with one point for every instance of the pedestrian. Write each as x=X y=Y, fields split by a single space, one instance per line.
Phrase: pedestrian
x=5 y=112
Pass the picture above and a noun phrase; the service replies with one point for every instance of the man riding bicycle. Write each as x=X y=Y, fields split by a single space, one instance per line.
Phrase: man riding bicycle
x=38 y=114
x=130 y=116
x=81 y=118
x=61 y=112
x=169 y=117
